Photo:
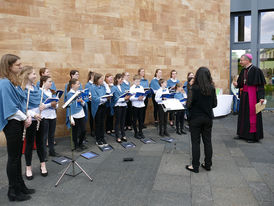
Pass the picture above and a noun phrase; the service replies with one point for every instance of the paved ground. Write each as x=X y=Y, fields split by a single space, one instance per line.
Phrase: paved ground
x=242 y=173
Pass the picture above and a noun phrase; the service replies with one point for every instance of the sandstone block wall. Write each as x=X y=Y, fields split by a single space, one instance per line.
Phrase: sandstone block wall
x=116 y=36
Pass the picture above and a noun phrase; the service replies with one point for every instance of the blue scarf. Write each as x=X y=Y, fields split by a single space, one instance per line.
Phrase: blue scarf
x=96 y=93
x=12 y=99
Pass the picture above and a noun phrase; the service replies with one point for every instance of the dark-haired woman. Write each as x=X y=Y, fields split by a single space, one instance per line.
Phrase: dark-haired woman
x=108 y=83
x=120 y=106
x=201 y=100
x=154 y=85
x=98 y=108
x=49 y=115
x=145 y=84
x=89 y=86
x=126 y=86
x=77 y=117
x=12 y=122
x=171 y=86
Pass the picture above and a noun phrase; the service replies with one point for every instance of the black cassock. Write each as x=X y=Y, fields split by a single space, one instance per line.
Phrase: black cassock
x=251 y=82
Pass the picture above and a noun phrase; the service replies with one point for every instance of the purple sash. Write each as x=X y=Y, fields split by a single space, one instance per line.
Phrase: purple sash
x=251 y=90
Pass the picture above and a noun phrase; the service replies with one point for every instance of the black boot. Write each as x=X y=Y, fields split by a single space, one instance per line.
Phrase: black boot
x=26 y=190
x=141 y=135
x=136 y=135
x=183 y=131
x=14 y=194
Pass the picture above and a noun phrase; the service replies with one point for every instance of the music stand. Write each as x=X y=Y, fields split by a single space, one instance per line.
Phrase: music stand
x=73 y=161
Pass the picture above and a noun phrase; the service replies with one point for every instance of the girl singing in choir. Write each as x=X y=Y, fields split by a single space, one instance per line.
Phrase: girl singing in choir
x=89 y=86
x=126 y=86
x=171 y=86
x=180 y=115
x=49 y=115
x=138 y=106
x=162 y=114
x=35 y=131
x=77 y=117
x=12 y=121
x=154 y=85
x=120 y=105
x=108 y=83
x=144 y=83
x=98 y=108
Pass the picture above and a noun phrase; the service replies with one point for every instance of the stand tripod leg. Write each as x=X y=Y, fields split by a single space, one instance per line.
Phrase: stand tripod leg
x=83 y=171
x=63 y=174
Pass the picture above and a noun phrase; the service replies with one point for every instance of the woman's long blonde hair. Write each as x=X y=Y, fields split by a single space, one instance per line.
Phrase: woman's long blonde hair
x=24 y=75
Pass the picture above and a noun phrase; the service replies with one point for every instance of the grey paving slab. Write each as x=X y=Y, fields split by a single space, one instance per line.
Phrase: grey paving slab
x=225 y=196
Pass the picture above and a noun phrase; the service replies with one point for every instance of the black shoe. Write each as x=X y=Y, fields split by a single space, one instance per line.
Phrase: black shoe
x=28 y=177
x=205 y=167
x=183 y=131
x=105 y=144
x=43 y=174
x=25 y=190
x=178 y=132
x=196 y=170
x=17 y=195
x=166 y=133
x=54 y=154
x=144 y=126
x=155 y=123
x=124 y=139
x=141 y=135
x=85 y=141
x=137 y=136
x=83 y=147
x=118 y=140
x=237 y=137
x=100 y=144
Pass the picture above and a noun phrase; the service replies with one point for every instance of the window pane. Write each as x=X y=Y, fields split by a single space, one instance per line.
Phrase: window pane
x=267 y=27
x=267 y=66
x=235 y=63
x=242 y=28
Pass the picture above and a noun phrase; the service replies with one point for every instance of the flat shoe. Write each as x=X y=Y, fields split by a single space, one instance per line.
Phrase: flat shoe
x=206 y=168
x=119 y=140
x=192 y=169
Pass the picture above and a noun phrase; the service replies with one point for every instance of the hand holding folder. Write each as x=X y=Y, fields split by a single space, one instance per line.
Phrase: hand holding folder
x=260 y=106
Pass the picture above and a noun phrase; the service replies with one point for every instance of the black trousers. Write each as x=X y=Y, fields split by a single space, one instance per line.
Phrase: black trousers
x=128 y=122
x=180 y=119
x=162 y=118
x=109 y=119
x=144 y=110
x=32 y=134
x=14 y=133
x=49 y=132
x=155 y=105
x=99 y=122
x=137 y=114
x=78 y=131
x=201 y=126
x=90 y=118
x=120 y=117
x=171 y=116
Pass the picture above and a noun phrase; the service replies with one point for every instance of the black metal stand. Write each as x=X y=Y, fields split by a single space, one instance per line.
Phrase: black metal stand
x=73 y=162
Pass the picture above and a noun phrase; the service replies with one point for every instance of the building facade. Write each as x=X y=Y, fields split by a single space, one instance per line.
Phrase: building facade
x=252 y=30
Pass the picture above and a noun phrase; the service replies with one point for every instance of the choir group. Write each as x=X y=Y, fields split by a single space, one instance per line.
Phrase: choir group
x=112 y=104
